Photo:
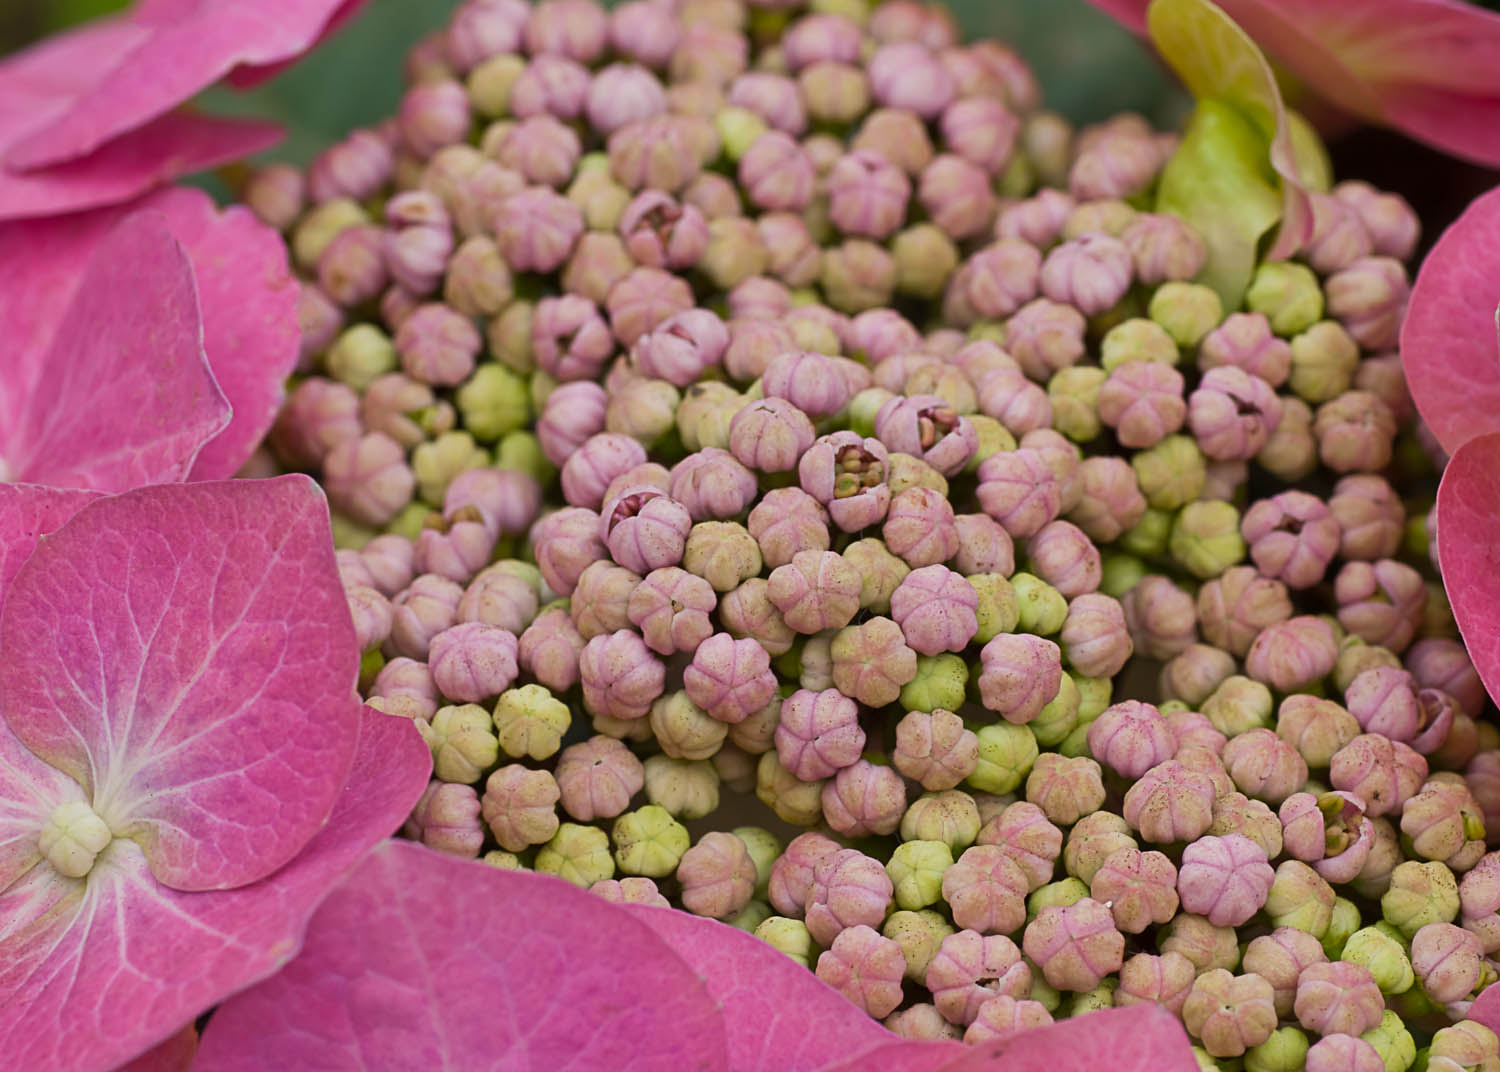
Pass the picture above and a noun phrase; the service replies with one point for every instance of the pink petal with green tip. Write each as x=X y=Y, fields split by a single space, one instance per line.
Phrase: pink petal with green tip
x=421 y=960
x=1468 y=541
x=106 y=976
x=186 y=47
x=777 y=1014
x=185 y=653
x=1429 y=68
x=1450 y=342
x=122 y=393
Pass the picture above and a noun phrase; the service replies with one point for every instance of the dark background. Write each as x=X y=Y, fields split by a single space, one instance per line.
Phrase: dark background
x=1089 y=67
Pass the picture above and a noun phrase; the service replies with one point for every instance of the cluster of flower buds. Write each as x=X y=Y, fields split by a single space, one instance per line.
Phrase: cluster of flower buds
x=721 y=399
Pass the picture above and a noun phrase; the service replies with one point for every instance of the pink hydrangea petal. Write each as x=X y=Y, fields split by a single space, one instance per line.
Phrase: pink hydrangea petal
x=930 y=1056
x=249 y=303
x=1450 y=343
x=511 y=973
x=1468 y=541
x=176 y=144
x=186 y=48
x=1486 y=1008
x=92 y=409
x=104 y=977
x=27 y=513
x=185 y=653
x=1426 y=67
x=777 y=1014
x=174 y=1055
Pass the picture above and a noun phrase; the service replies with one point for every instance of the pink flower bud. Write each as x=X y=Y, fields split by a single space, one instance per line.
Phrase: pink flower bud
x=1234 y=607
x=1381 y=772
x=432 y=115
x=1294 y=654
x=446 y=819
x=1344 y=1053
x=1369 y=298
x=537 y=228
x=957 y=196
x=1381 y=602
x=919 y=527
x=1094 y=635
x=671 y=608
x=986 y=891
x=1165 y=980
x=871 y=661
x=1161 y=617
x=1021 y=674
x=368 y=478
x=1142 y=401
x=1293 y=537
x=1139 y=888
x=1130 y=738
x=1076 y=946
x=785 y=521
x=1448 y=961
x=848 y=889
x=1090 y=273
x=866 y=968
x=644 y=529
x=620 y=675
x=982 y=130
x=717 y=876
x=936 y=609
x=1019 y=490
x=1338 y=998
x=351 y=269
x=597 y=778
x=1229 y=1013
x=906 y=75
x=819 y=733
x=1244 y=341
x=318 y=415
x=770 y=435
x=1164 y=249
x=520 y=807
x=578 y=29
x=472 y=661
x=597 y=462
x=1170 y=802
x=1110 y=501
x=1065 y=789
x=1225 y=879
x=817 y=590
x=549 y=649
x=864 y=799
x=1356 y=432
x=867 y=195
x=1233 y=413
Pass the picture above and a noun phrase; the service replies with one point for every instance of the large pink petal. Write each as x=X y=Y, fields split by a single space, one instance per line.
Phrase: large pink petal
x=895 y=1055
x=1468 y=540
x=124 y=395
x=1486 y=1007
x=114 y=971
x=246 y=296
x=1140 y=1038
x=778 y=1015
x=158 y=151
x=249 y=302
x=27 y=513
x=421 y=960
x=1449 y=344
x=174 y=1055
x=185 y=653
x=188 y=48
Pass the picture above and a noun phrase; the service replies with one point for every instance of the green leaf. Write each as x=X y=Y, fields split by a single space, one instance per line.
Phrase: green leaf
x=1219 y=181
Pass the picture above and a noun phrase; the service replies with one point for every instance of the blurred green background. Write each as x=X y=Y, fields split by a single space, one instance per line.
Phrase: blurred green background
x=1089 y=67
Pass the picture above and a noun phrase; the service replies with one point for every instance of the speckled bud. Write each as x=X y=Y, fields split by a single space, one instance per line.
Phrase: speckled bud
x=1075 y=946
x=1170 y=802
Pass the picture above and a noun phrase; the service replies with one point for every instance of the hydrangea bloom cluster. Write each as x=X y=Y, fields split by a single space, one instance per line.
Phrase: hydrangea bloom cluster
x=723 y=399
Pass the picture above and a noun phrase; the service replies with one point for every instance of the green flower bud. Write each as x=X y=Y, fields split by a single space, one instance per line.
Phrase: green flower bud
x=1419 y=894
x=1121 y=572
x=1301 y=898
x=1206 y=538
x=1208 y=1063
x=1284 y=1051
x=1101 y=997
x=530 y=722
x=925 y=259
x=916 y=869
x=505 y=861
x=1188 y=311
x=1018 y=179
x=1341 y=925
x=1137 y=339
x=738 y=128
x=408 y=523
x=493 y=402
x=1238 y=705
x=462 y=742
x=993 y=438
x=999 y=611
x=438 y=461
x=1383 y=955
x=919 y=934
x=1043 y=992
x=950 y=817
x=1058 y=894
x=688 y=788
x=880 y=573
x=648 y=841
x=1006 y=753
x=909 y=472
x=939 y=682
x=522 y=452
x=683 y=729
x=360 y=355
x=862 y=408
x=1394 y=1042
x=794 y=801
x=764 y=848
x=1288 y=294
x=1094 y=695
x=1324 y=359
x=1074 y=393
x=1171 y=473
x=1469 y=1044
x=489 y=84
x=577 y=854
x=1059 y=717
x=320 y=226
x=1041 y=608
x=788 y=936
x=751 y=916
x=509 y=337
x=1150 y=534
x=1076 y=743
